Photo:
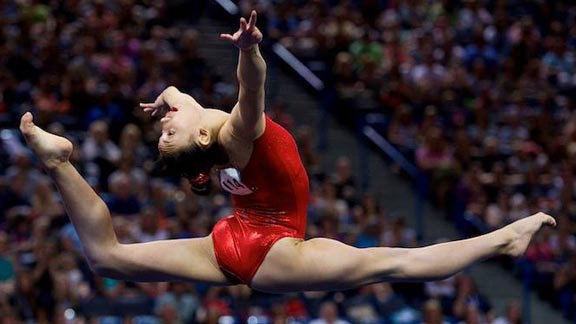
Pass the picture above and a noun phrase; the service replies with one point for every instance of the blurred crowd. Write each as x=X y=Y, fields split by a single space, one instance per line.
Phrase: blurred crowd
x=82 y=66
x=479 y=94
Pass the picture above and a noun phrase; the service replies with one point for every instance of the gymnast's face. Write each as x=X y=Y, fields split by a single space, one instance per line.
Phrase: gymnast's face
x=181 y=129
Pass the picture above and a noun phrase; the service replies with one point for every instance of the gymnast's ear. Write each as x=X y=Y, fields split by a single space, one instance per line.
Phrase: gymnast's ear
x=204 y=138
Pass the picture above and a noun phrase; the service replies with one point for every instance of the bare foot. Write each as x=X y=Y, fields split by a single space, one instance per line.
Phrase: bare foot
x=52 y=150
x=521 y=231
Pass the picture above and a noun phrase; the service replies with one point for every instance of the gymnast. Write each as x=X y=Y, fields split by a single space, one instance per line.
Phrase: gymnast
x=262 y=243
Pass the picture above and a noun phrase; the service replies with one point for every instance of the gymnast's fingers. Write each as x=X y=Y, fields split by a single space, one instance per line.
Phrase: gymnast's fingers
x=227 y=37
x=252 y=21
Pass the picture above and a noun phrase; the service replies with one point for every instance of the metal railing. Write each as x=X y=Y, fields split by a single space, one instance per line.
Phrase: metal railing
x=419 y=178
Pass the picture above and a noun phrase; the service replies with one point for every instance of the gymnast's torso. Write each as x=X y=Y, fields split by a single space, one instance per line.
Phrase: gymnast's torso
x=270 y=198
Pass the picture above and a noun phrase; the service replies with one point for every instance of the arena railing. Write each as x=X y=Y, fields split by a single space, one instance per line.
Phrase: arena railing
x=419 y=178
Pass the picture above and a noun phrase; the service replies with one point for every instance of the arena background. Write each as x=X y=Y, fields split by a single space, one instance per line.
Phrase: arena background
x=418 y=121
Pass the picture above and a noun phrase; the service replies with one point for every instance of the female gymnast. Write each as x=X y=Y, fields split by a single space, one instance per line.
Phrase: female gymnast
x=262 y=243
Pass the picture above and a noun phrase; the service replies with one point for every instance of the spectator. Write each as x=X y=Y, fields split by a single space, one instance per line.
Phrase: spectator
x=45 y=202
x=122 y=200
x=306 y=146
x=177 y=305
x=328 y=314
x=513 y=314
x=398 y=234
x=470 y=305
x=565 y=284
x=7 y=267
x=343 y=179
x=444 y=292
x=432 y=312
x=70 y=286
x=360 y=309
x=101 y=154
x=403 y=131
x=149 y=229
x=386 y=300
x=436 y=158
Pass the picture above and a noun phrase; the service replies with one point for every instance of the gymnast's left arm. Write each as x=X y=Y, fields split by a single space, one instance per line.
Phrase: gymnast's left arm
x=247 y=117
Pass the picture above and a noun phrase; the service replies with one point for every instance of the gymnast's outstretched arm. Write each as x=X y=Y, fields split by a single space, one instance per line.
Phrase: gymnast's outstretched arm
x=189 y=259
x=247 y=118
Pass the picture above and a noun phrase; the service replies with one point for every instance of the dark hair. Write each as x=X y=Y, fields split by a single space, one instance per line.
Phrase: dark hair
x=194 y=164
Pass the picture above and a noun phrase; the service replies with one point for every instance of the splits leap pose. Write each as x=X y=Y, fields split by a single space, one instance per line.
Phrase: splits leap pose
x=262 y=243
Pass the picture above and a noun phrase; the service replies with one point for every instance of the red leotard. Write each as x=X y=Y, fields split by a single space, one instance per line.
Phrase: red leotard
x=275 y=209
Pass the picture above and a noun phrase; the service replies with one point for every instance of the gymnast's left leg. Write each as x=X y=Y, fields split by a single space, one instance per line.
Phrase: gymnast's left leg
x=324 y=264
x=183 y=259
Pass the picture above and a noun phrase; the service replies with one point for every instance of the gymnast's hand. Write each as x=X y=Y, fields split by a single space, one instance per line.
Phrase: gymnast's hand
x=247 y=35
x=158 y=107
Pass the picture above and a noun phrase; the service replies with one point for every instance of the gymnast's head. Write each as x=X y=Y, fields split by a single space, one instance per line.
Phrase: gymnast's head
x=187 y=146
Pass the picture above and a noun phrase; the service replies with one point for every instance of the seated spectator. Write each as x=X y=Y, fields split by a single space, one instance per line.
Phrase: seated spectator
x=328 y=314
x=369 y=235
x=366 y=49
x=473 y=315
x=70 y=285
x=428 y=76
x=360 y=308
x=540 y=253
x=100 y=154
x=178 y=304
x=306 y=146
x=403 y=131
x=138 y=176
x=279 y=114
x=7 y=266
x=347 y=84
x=122 y=200
x=131 y=144
x=281 y=313
x=563 y=241
x=443 y=291
x=432 y=312
x=436 y=158
x=23 y=170
x=385 y=299
x=565 y=285
x=470 y=305
x=45 y=201
x=398 y=235
x=149 y=227
x=326 y=201
x=513 y=314
x=344 y=181
x=13 y=196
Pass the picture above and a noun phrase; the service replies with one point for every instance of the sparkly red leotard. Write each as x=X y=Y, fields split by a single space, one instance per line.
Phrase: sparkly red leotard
x=275 y=208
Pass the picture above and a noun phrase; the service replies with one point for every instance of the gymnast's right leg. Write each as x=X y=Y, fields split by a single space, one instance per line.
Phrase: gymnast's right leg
x=324 y=264
x=187 y=259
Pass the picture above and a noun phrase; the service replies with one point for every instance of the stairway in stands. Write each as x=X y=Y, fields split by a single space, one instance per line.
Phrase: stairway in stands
x=394 y=194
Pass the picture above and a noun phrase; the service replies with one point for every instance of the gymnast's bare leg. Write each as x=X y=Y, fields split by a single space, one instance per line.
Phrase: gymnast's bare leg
x=324 y=264
x=187 y=259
